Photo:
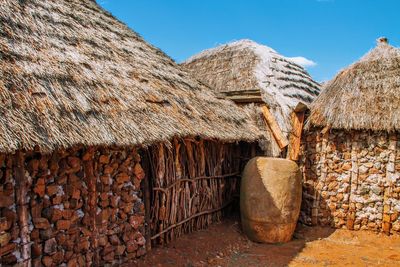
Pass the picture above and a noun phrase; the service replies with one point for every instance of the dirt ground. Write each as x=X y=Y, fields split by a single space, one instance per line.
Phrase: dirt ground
x=223 y=244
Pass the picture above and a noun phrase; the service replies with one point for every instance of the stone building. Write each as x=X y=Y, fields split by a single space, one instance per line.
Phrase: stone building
x=94 y=120
x=351 y=147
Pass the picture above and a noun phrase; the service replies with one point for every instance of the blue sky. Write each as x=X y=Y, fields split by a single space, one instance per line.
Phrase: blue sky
x=332 y=33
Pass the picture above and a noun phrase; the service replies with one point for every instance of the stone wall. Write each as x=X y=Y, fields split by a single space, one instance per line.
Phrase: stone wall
x=76 y=207
x=351 y=180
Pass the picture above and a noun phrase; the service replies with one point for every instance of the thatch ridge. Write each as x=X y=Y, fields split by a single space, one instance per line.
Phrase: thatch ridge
x=363 y=96
x=247 y=65
x=70 y=73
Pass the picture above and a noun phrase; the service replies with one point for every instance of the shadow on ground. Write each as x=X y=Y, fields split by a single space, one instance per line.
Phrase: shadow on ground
x=224 y=244
x=256 y=254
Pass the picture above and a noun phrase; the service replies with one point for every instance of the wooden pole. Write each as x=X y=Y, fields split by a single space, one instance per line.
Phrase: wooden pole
x=191 y=218
x=91 y=179
x=21 y=193
x=281 y=140
x=297 y=122
x=192 y=180
x=147 y=200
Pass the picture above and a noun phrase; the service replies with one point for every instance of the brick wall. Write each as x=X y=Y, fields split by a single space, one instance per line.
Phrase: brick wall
x=351 y=180
x=80 y=206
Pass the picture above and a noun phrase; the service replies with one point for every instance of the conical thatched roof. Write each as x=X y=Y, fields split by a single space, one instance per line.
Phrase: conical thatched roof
x=246 y=65
x=364 y=96
x=70 y=73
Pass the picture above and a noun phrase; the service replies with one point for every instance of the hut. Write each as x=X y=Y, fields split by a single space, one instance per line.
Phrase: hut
x=351 y=148
x=247 y=72
x=105 y=142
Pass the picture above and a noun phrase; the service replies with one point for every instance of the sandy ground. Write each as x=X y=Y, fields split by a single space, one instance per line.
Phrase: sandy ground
x=224 y=244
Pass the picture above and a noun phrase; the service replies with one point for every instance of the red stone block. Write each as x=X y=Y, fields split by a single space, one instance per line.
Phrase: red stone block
x=63 y=224
x=41 y=223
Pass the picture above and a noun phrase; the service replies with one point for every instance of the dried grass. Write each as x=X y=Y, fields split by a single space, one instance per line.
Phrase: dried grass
x=246 y=65
x=70 y=73
x=364 y=96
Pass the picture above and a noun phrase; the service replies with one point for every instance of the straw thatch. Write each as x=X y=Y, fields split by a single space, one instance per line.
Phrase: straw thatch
x=364 y=96
x=246 y=65
x=70 y=73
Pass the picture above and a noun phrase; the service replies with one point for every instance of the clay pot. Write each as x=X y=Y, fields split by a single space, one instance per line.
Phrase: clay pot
x=270 y=199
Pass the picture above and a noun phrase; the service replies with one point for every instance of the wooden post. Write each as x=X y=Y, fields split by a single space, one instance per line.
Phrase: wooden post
x=147 y=199
x=91 y=180
x=274 y=127
x=21 y=193
x=297 y=122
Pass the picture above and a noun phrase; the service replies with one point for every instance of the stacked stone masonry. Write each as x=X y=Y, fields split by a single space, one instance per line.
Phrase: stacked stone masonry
x=80 y=206
x=351 y=180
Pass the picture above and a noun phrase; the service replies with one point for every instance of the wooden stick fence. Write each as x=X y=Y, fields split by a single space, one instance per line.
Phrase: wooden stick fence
x=192 y=183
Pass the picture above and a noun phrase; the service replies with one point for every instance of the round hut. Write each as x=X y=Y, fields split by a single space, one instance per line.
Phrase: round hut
x=97 y=126
x=351 y=149
x=247 y=72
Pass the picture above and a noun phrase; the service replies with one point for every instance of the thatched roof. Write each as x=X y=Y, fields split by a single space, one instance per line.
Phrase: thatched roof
x=245 y=65
x=364 y=96
x=70 y=73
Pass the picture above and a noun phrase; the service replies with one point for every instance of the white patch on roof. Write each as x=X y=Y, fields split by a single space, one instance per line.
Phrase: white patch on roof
x=281 y=79
x=267 y=73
